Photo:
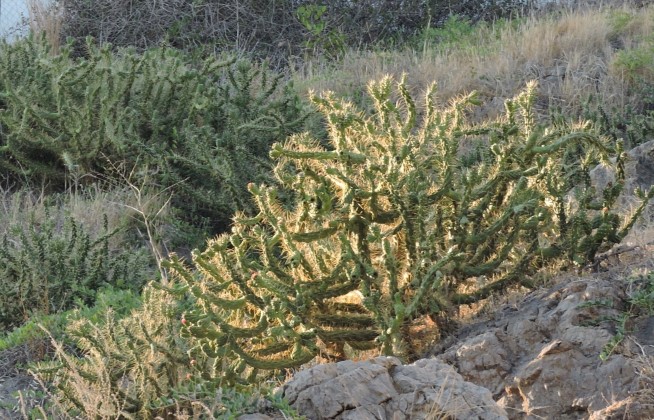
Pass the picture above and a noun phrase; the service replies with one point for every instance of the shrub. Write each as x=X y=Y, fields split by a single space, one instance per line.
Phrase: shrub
x=279 y=30
x=120 y=301
x=53 y=264
x=636 y=63
x=395 y=222
x=635 y=66
x=128 y=364
x=202 y=127
x=454 y=31
x=135 y=365
x=30 y=343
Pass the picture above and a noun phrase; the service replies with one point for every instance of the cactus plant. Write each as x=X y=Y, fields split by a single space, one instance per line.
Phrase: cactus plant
x=390 y=223
x=204 y=127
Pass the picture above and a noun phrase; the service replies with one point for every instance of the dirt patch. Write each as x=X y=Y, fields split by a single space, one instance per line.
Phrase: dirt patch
x=19 y=391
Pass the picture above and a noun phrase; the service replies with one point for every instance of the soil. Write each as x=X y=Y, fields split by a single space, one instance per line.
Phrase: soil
x=20 y=392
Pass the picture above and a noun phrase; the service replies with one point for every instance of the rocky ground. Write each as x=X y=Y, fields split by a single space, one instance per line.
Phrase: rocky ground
x=541 y=359
x=537 y=359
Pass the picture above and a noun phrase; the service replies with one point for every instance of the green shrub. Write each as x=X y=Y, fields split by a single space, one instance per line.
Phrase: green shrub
x=394 y=222
x=203 y=128
x=636 y=65
x=53 y=265
x=32 y=341
x=120 y=301
x=454 y=31
x=329 y=43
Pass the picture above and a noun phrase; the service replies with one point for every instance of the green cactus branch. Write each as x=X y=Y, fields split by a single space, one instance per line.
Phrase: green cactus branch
x=391 y=223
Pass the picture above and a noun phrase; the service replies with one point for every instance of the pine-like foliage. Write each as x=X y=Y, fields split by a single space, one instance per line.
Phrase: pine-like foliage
x=204 y=127
x=54 y=265
x=391 y=224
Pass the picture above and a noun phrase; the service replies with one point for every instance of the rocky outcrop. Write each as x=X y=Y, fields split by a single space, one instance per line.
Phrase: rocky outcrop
x=383 y=388
x=541 y=359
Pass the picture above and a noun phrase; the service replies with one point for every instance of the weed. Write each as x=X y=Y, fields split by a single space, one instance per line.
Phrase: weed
x=640 y=300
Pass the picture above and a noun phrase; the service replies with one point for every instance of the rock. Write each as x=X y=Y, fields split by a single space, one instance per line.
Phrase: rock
x=644 y=331
x=383 y=388
x=639 y=172
x=542 y=360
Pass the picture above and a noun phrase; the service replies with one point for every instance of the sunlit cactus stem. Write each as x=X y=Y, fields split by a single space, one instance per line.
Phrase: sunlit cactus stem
x=393 y=223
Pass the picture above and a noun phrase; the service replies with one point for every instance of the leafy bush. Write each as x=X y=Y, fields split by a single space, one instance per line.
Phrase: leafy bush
x=395 y=222
x=50 y=266
x=201 y=127
x=328 y=42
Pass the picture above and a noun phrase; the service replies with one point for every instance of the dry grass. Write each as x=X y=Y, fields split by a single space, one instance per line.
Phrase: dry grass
x=645 y=370
x=24 y=208
x=46 y=19
x=122 y=364
x=571 y=54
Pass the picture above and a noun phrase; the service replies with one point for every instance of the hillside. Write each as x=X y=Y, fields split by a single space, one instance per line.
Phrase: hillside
x=443 y=213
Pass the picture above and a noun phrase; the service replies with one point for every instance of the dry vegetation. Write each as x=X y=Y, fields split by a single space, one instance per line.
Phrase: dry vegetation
x=46 y=20
x=572 y=54
x=646 y=373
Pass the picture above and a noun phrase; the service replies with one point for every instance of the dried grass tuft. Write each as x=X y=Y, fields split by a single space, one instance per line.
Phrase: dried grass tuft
x=45 y=19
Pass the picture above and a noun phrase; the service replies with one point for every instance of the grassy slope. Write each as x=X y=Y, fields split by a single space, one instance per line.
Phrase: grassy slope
x=573 y=55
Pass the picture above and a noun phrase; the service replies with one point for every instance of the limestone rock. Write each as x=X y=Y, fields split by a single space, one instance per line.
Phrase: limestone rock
x=541 y=359
x=383 y=388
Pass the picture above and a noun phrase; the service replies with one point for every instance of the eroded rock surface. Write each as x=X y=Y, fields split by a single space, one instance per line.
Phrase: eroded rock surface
x=541 y=358
x=383 y=388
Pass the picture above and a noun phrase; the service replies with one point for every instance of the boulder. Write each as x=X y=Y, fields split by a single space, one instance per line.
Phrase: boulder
x=383 y=388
